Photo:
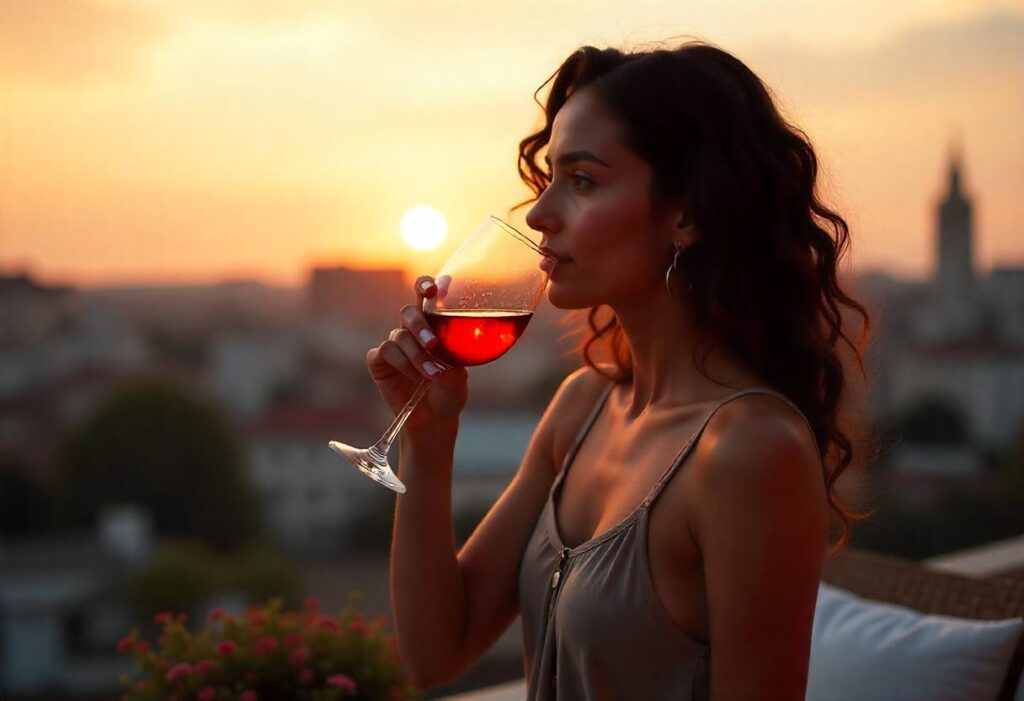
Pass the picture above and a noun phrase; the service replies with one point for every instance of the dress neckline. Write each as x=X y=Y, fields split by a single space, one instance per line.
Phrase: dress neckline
x=556 y=488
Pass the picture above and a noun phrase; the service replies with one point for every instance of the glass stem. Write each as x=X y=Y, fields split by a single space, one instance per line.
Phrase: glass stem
x=379 y=450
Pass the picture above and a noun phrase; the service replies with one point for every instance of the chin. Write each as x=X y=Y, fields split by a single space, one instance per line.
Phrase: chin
x=564 y=297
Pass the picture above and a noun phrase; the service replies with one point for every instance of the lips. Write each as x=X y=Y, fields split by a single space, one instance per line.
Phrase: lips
x=553 y=254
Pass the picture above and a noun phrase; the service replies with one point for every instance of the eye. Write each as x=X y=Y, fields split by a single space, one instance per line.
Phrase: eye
x=580 y=181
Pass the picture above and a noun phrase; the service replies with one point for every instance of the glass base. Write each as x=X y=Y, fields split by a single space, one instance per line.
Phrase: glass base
x=371 y=464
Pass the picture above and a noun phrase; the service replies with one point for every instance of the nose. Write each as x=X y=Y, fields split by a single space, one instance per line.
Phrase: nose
x=542 y=216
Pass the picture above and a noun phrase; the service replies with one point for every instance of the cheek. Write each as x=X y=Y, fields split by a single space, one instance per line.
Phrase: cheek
x=618 y=237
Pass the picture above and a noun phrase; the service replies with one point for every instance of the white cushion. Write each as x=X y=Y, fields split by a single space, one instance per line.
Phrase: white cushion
x=864 y=650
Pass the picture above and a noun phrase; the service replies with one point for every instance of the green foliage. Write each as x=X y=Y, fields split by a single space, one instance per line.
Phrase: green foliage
x=157 y=445
x=261 y=574
x=270 y=653
x=25 y=506
x=961 y=517
x=179 y=577
x=467 y=519
x=184 y=576
x=934 y=421
x=369 y=529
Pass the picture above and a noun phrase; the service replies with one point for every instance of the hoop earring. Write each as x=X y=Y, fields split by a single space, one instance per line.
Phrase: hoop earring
x=674 y=267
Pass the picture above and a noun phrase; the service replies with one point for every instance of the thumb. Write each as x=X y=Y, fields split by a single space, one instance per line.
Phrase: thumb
x=453 y=379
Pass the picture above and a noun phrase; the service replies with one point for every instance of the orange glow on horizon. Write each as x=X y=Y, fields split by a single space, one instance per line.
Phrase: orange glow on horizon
x=182 y=143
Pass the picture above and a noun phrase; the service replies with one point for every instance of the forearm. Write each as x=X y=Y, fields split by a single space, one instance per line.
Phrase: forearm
x=427 y=594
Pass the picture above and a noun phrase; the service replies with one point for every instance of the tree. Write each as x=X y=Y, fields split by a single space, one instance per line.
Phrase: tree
x=934 y=421
x=25 y=506
x=158 y=445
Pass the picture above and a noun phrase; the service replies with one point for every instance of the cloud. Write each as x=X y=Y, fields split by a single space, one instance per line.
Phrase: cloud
x=55 y=41
x=920 y=62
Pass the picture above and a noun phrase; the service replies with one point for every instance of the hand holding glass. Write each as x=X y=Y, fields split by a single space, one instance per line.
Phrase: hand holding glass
x=487 y=292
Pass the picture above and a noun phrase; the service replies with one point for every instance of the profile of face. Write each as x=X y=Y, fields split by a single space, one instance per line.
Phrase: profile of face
x=597 y=214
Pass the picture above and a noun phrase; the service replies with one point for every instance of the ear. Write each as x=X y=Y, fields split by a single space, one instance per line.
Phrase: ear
x=685 y=230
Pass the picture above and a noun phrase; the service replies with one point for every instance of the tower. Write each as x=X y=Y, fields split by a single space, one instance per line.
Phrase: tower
x=954 y=288
x=955 y=264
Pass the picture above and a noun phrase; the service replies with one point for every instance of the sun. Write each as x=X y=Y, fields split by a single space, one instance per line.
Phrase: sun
x=423 y=228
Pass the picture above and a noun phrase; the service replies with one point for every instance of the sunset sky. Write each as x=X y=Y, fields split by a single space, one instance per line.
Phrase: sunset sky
x=202 y=139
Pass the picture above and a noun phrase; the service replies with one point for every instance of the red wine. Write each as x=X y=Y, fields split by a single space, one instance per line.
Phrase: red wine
x=476 y=336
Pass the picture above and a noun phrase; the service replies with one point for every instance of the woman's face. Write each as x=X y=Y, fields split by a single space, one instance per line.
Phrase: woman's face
x=597 y=216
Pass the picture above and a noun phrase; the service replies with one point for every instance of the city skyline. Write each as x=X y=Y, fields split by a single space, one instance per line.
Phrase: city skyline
x=185 y=144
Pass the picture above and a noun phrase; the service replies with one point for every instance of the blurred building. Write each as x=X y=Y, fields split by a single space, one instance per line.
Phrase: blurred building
x=311 y=497
x=365 y=298
x=63 y=607
x=956 y=340
x=47 y=332
x=488 y=451
x=307 y=492
x=246 y=370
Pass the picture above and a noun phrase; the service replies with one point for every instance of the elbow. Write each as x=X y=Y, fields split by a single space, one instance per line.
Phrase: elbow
x=430 y=676
x=431 y=671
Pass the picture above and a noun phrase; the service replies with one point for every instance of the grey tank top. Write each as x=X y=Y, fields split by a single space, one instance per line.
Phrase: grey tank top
x=593 y=626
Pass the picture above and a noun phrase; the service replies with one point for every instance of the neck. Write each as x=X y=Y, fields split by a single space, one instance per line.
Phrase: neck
x=663 y=343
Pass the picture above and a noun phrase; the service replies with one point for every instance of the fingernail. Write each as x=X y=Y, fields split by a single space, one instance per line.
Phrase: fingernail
x=430 y=368
x=426 y=336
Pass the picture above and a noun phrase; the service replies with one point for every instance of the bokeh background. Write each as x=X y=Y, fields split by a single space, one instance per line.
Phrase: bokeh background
x=200 y=208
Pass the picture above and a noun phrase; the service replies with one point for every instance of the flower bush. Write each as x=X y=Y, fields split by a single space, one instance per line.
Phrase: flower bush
x=266 y=655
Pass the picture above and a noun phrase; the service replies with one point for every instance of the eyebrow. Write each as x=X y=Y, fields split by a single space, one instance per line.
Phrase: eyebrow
x=576 y=157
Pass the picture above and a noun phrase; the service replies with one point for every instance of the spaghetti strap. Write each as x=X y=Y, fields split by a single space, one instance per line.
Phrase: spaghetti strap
x=582 y=434
x=684 y=451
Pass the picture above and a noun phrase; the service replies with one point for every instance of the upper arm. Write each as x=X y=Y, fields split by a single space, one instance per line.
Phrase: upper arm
x=489 y=561
x=760 y=520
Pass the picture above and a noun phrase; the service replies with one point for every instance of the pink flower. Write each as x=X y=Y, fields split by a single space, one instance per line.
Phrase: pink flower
x=306 y=676
x=343 y=681
x=264 y=646
x=358 y=626
x=125 y=644
x=255 y=615
x=163 y=617
x=226 y=647
x=216 y=614
x=182 y=669
x=207 y=694
x=293 y=639
x=329 y=624
x=311 y=604
x=204 y=666
x=248 y=695
x=298 y=657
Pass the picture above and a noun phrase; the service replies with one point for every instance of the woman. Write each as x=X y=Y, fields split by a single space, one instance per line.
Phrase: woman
x=665 y=532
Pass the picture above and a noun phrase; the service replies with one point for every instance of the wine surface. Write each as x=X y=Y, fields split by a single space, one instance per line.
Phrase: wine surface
x=476 y=336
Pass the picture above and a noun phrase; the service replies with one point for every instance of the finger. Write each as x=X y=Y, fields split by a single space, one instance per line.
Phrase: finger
x=416 y=324
x=443 y=282
x=396 y=358
x=425 y=288
x=415 y=353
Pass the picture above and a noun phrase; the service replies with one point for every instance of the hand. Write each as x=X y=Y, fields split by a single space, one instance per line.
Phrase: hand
x=401 y=361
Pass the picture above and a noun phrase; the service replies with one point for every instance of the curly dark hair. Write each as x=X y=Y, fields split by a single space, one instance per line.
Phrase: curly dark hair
x=764 y=269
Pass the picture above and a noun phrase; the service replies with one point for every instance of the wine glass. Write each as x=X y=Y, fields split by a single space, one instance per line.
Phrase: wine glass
x=487 y=292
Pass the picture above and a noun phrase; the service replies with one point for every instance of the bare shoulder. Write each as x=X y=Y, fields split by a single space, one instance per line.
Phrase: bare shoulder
x=581 y=384
x=758 y=433
x=569 y=408
x=759 y=515
x=758 y=454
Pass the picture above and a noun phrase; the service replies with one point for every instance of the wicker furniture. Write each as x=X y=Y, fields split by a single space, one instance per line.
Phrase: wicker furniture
x=906 y=583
